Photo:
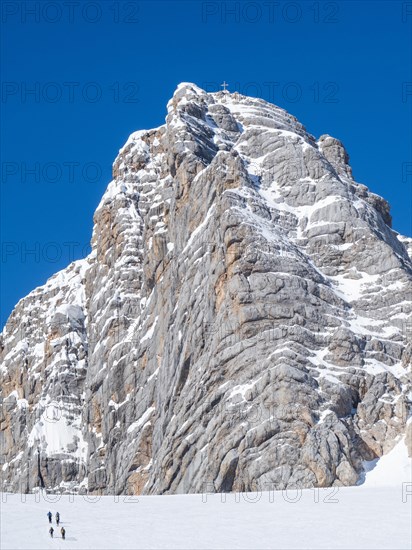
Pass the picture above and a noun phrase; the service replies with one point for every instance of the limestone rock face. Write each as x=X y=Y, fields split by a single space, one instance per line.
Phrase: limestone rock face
x=242 y=322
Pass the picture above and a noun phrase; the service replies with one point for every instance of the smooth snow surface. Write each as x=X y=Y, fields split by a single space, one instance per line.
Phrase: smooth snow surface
x=345 y=518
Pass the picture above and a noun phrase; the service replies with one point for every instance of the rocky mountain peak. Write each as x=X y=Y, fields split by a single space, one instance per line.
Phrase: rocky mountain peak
x=242 y=320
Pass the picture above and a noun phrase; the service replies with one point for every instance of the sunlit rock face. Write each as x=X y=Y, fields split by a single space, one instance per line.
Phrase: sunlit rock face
x=241 y=323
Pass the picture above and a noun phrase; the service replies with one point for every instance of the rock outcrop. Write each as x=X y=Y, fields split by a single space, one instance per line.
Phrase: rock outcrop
x=243 y=320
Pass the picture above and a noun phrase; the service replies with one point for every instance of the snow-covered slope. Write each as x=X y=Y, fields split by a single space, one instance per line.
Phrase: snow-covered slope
x=393 y=469
x=242 y=320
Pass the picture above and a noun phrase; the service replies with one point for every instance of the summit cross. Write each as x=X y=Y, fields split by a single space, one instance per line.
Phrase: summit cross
x=224 y=85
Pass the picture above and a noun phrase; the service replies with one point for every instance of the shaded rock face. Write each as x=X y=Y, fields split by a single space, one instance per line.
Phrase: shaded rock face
x=241 y=322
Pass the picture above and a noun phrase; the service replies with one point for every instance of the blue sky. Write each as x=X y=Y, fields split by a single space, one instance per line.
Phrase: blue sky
x=78 y=78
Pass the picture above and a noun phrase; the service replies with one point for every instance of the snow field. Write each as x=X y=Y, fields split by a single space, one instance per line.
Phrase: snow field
x=354 y=517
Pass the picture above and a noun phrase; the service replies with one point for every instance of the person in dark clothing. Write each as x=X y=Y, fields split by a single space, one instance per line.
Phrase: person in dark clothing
x=51 y=531
x=49 y=515
x=57 y=518
x=63 y=532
